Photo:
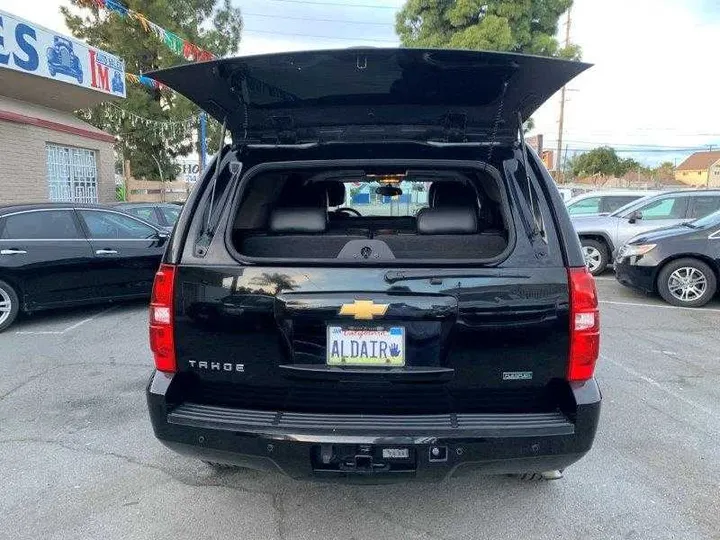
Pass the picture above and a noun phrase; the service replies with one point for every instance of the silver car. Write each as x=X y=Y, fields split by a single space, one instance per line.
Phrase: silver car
x=601 y=236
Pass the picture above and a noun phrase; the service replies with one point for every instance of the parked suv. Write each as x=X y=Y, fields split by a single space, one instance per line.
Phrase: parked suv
x=406 y=333
x=601 y=236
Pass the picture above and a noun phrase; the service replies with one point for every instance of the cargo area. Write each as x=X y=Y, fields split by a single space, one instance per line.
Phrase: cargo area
x=371 y=214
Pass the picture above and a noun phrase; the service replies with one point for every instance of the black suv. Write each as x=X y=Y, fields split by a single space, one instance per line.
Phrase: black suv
x=377 y=278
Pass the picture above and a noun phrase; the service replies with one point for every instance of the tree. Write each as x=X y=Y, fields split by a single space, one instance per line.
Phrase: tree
x=602 y=161
x=214 y=25
x=527 y=26
x=627 y=165
x=664 y=172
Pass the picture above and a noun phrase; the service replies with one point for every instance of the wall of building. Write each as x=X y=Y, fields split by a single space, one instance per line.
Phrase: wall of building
x=25 y=130
x=715 y=176
x=692 y=178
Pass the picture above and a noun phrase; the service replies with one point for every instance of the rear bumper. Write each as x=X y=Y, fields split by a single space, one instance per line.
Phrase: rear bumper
x=338 y=447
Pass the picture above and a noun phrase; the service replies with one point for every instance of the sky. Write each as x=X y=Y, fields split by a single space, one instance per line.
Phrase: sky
x=652 y=92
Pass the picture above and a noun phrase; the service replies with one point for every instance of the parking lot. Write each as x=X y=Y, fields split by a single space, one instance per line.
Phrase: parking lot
x=79 y=460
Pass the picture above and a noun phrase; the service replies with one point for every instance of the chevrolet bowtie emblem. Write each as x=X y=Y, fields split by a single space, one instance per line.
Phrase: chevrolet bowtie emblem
x=364 y=310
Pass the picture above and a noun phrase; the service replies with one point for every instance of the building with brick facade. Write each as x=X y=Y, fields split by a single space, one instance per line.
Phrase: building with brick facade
x=46 y=152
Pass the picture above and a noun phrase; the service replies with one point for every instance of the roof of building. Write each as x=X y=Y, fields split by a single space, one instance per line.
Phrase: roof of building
x=699 y=161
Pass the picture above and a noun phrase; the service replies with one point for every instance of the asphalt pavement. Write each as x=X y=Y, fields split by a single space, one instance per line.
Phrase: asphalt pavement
x=78 y=458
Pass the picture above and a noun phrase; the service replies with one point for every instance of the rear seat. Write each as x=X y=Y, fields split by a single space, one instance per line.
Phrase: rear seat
x=297 y=233
x=445 y=233
x=449 y=229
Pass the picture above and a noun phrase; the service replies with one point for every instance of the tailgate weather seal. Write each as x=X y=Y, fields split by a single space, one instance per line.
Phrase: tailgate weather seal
x=307 y=424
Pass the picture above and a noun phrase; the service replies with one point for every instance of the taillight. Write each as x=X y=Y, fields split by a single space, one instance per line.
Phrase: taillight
x=584 y=325
x=162 y=338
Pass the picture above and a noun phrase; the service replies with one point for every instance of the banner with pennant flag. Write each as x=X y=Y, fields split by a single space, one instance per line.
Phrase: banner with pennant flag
x=178 y=45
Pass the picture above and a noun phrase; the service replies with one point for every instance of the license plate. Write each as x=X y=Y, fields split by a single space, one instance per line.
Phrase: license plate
x=366 y=346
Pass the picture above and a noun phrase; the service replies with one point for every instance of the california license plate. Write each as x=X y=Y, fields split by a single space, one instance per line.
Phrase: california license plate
x=366 y=346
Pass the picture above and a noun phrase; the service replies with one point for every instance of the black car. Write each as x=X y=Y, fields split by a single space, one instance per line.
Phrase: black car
x=163 y=215
x=377 y=278
x=682 y=263
x=57 y=254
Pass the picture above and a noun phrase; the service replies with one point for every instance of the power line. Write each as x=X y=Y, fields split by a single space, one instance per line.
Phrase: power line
x=633 y=146
x=348 y=21
x=342 y=4
x=356 y=39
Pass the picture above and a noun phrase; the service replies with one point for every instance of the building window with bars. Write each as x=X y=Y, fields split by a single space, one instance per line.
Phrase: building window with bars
x=72 y=174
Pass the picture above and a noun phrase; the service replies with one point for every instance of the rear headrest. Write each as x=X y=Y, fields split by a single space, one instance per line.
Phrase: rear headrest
x=298 y=220
x=297 y=195
x=447 y=221
x=335 y=192
x=451 y=194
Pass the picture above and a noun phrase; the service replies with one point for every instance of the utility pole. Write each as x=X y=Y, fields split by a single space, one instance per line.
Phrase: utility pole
x=558 y=155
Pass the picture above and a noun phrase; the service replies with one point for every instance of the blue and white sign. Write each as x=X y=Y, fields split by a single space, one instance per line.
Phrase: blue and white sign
x=30 y=48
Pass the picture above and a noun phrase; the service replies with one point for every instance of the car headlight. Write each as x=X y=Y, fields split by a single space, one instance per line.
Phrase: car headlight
x=633 y=250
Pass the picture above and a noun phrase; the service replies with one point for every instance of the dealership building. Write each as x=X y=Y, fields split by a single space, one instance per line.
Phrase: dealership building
x=46 y=152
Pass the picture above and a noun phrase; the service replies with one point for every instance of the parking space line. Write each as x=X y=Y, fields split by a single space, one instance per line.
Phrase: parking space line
x=657 y=385
x=68 y=329
x=638 y=304
x=78 y=324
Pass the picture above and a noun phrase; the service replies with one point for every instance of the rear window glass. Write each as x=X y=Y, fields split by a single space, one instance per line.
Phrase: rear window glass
x=371 y=216
x=364 y=198
x=591 y=205
x=43 y=225
x=612 y=203
x=145 y=212
x=170 y=214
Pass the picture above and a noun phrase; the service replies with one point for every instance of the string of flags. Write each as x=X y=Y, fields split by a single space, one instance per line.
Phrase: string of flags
x=166 y=129
x=175 y=43
x=145 y=81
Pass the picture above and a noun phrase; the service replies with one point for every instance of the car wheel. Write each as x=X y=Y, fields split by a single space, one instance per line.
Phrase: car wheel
x=9 y=305
x=687 y=282
x=596 y=255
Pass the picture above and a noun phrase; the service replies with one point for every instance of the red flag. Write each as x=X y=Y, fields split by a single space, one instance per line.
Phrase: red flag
x=204 y=56
x=190 y=51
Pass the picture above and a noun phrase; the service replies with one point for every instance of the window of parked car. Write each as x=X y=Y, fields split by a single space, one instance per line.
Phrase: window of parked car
x=613 y=202
x=703 y=206
x=40 y=225
x=667 y=208
x=143 y=212
x=170 y=214
x=111 y=225
x=591 y=205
